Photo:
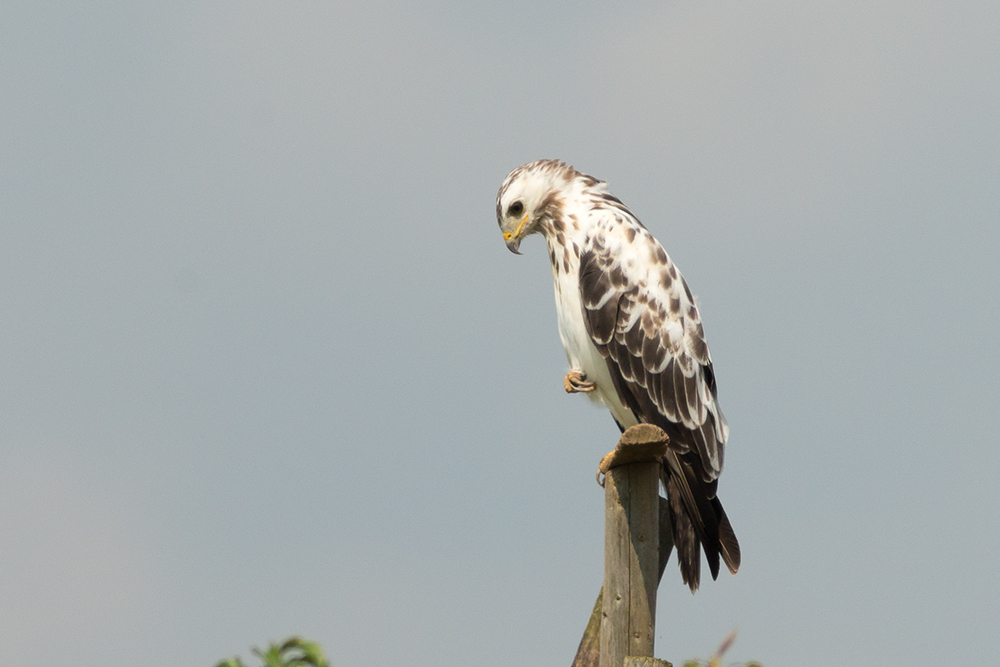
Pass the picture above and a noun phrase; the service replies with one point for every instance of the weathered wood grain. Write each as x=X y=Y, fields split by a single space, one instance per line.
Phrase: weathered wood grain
x=631 y=545
x=588 y=654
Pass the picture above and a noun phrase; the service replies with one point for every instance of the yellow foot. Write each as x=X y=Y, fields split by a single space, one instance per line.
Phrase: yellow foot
x=642 y=442
x=577 y=381
x=605 y=465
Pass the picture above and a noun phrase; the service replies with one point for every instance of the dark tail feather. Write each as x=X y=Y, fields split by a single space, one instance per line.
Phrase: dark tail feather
x=685 y=535
x=698 y=521
x=728 y=543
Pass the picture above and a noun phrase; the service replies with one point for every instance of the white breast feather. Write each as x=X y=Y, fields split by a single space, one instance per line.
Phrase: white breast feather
x=581 y=352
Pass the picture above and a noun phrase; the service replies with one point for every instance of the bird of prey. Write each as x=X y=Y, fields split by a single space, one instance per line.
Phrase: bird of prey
x=634 y=340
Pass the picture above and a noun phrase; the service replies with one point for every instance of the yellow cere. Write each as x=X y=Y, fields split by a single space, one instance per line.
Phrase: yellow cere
x=507 y=236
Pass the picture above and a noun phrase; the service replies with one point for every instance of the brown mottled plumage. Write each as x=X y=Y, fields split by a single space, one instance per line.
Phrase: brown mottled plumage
x=630 y=326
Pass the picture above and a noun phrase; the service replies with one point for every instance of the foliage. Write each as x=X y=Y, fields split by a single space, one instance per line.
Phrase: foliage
x=293 y=652
x=716 y=659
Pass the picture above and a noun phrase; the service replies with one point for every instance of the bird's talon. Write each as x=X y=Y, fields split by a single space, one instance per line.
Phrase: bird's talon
x=604 y=466
x=576 y=381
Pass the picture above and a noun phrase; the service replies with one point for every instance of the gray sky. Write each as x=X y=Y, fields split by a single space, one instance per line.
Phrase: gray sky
x=268 y=367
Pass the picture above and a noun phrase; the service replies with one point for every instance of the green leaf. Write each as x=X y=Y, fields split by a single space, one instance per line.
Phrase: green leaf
x=293 y=652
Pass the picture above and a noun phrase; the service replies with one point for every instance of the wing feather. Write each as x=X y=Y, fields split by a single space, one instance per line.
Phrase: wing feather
x=600 y=306
x=641 y=315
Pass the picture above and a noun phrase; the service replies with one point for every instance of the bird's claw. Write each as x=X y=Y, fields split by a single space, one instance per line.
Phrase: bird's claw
x=605 y=465
x=576 y=381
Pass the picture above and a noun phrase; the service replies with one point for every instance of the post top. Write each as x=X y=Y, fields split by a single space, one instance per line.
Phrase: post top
x=644 y=434
x=642 y=443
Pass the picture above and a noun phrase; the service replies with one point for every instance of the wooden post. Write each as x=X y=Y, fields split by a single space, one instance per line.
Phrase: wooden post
x=631 y=545
x=588 y=654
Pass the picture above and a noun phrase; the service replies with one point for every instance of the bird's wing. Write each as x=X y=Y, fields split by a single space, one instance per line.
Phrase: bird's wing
x=641 y=315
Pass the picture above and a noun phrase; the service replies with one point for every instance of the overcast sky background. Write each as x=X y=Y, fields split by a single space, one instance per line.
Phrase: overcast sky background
x=266 y=366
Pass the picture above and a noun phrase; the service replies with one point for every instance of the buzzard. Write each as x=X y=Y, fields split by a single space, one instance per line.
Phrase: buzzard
x=634 y=340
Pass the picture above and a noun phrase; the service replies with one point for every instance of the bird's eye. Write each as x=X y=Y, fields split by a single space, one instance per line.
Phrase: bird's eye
x=516 y=209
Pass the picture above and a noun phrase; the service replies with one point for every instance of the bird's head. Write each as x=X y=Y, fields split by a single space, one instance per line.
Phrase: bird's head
x=528 y=198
